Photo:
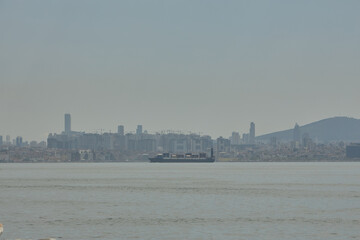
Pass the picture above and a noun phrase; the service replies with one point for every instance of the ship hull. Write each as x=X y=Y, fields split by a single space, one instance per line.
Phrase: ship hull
x=181 y=160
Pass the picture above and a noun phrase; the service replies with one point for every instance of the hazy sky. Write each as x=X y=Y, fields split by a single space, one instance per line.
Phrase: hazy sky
x=201 y=66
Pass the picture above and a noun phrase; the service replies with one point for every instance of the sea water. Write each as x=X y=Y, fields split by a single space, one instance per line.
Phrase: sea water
x=180 y=201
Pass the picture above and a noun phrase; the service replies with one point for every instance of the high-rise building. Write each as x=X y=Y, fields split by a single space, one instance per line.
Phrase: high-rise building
x=1 y=140
x=296 y=133
x=139 y=130
x=8 y=140
x=19 y=141
x=252 y=133
x=306 y=141
x=222 y=145
x=353 y=150
x=121 y=130
x=245 y=138
x=67 y=123
x=235 y=138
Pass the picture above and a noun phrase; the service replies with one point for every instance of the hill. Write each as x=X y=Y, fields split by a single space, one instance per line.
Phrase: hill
x=327 y=130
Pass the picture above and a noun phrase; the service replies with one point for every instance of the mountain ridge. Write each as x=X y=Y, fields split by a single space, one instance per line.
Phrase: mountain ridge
x=334 y=129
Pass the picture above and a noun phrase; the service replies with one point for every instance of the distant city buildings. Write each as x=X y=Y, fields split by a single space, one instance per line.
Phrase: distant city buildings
x=67 y=123
x=222 y=146
x=19 y=141
x=252 y=133
x=139 y=142
x=353 y=150
x=296 y=133
x=235 y=138
x=121 y=130
x=307 y=142
x=177 y=143
x=273 y=142
x=245 y=138
x=120 y=146
x=139 y=130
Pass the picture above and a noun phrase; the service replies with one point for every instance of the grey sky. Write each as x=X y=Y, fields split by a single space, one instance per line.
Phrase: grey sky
x=201 y=66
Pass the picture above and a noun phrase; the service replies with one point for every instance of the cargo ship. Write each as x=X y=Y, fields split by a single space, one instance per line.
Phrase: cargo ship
x=183 y=158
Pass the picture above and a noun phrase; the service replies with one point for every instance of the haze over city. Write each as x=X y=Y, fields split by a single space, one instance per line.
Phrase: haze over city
x=179 y=119
x=200 y=66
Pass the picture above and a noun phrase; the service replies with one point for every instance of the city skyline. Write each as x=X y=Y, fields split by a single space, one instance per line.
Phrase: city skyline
x=121 y=130
x=200 y=66
x=332 y=139
x=348 y=127
x=329 y=139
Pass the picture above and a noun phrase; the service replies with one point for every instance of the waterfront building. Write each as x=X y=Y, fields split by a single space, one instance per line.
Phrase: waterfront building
x=180 y=146
x=222 y=145
x=353 y=150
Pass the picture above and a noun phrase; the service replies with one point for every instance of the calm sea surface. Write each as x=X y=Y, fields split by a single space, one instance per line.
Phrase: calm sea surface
x=180 y=201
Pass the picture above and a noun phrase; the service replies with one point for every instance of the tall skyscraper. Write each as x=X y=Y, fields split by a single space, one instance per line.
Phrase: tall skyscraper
x=1 y=140
x=139 y=130
x=18 y=141
x=121 y=130
x=252 y=133
x=296 y=133
x=67 y=123
x=8 y=140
